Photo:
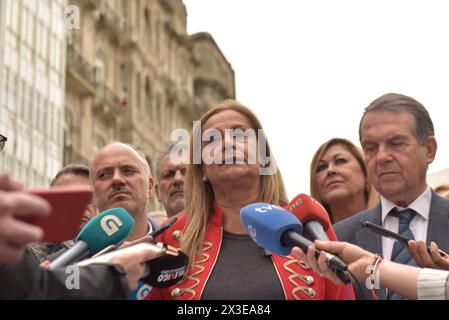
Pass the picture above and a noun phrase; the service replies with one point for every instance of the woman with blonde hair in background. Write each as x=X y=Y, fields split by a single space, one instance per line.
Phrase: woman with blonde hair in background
x=224 y=262
x=443 y=190
x=338 y=179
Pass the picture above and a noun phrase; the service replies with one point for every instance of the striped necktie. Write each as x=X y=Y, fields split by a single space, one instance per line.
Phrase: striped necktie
x=400 y=253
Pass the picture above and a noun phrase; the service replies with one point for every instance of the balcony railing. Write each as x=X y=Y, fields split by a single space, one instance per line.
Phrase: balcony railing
x=191 y=104
x=106 y=100
x=110 y=17
x=76 y=62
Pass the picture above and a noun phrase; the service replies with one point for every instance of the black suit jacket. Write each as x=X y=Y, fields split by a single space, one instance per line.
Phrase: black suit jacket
x=27 y=280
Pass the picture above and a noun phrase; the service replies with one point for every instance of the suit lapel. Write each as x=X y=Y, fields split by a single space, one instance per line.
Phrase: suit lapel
x=367 y=239
x=438 y=227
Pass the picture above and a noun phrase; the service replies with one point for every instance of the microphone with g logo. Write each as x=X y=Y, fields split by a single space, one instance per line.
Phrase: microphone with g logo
x=111 y=227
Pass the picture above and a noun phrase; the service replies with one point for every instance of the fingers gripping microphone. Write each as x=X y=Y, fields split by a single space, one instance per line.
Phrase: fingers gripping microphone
x=277 y=230
x=166 y=267
x=111 y=227
x=313 y=216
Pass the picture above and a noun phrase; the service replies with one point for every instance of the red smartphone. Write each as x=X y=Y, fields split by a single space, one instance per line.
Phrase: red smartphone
x=68 y=206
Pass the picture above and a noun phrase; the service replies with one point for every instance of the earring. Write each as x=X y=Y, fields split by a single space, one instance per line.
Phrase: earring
x=204 y=179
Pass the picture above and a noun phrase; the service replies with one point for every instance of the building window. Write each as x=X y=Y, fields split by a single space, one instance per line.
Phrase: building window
x=147 y=102
x=50 y=121
x=26 y=105
x=138 y=13
x=27 y=27
x=57 y=125
x=3 y=90
x=12 y=15
x=139 y=92
x=100 y=70
x=147 y=25
x=12 y=90
x=125 y=8
x=40 y=112
x=160 y=111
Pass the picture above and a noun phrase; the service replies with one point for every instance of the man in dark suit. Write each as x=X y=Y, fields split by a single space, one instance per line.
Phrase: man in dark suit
x=397 y=136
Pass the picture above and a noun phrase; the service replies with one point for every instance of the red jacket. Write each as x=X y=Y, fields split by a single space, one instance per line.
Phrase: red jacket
x=298 y=280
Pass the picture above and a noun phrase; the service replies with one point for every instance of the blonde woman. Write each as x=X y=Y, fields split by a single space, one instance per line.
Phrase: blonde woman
x=338 y=180
x=224 y=262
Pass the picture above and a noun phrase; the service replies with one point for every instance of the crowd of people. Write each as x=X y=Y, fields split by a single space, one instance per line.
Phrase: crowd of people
x=384 y=182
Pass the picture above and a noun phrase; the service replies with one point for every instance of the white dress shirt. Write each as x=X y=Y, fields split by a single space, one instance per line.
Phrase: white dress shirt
x=418 y=225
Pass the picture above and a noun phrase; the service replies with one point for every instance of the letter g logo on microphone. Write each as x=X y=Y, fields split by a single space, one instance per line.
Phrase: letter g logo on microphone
x=143 y=291
x=110 y=224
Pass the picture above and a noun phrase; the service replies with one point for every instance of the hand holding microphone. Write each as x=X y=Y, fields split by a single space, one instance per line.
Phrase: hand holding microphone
x=132 y=260
x=277 y=230
x=358 y=259
x=155 y=265
x=316 y=222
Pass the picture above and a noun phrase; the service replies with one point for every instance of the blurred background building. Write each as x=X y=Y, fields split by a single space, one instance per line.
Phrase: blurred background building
x=32 y=88
x=78 y=74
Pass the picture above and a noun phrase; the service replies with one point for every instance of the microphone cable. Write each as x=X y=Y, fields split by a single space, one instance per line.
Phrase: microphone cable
x=355 y=282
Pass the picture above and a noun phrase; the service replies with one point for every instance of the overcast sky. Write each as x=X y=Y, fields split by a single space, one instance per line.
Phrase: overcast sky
x=308 y=68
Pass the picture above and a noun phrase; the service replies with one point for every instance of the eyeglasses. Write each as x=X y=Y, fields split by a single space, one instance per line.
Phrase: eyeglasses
x=3 y=140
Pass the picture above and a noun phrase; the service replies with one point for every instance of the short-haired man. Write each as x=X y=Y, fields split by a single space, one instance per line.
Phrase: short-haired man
x=171 y=173
x=397 y=136
x=121 y=177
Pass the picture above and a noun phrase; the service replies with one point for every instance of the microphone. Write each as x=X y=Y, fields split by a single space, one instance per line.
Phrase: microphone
x=111 y=227
x=313 y=216
x=166 y=268
x=277 y=230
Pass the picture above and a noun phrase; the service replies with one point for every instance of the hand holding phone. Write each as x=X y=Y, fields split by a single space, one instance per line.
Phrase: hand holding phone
x=162 y=229
x=391 y=235
x=67 y=209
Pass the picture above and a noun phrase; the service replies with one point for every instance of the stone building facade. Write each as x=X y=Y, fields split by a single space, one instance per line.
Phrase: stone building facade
x=134 y=75
x=32 y=84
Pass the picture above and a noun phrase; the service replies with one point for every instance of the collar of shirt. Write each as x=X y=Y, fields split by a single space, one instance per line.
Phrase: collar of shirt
x=418 y=225
x=421 y=205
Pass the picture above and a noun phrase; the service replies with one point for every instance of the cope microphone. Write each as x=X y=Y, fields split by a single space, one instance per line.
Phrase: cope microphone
x=111 y=227
x=167 y=269
x=313 y=216
x=277 y=230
